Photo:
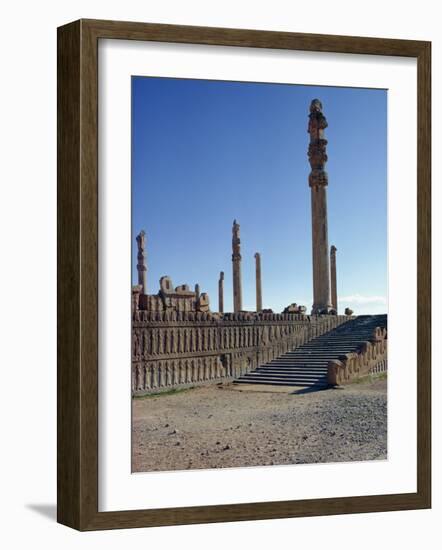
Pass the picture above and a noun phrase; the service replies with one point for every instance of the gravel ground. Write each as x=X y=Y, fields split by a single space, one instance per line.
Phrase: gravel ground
x=221 y=427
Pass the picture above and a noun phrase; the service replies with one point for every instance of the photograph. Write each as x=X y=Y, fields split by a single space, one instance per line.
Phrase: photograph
x=259 y=274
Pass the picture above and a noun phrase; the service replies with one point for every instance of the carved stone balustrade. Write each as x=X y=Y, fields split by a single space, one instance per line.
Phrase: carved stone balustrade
x=370 y=357
x=177 y=349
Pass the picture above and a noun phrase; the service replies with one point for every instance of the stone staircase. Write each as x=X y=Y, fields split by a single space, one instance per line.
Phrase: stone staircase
x=307 y=365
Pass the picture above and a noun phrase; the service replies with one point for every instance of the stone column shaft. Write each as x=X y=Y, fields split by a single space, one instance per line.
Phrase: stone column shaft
x=236 y=266
x=141 y=265
x=334 y=290
x=320 y=251
x=258 y=282
x=318 y=182
x=221 y=292
x=237 y=287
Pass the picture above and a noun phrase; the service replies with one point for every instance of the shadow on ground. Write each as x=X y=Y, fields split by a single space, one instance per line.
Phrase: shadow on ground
x=48 y=511
x=309 y=389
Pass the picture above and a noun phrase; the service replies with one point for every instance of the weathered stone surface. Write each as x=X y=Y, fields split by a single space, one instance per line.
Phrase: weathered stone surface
x=318 y=181
x=370 y=357
x=142 y=258
x=180 y=299
x=166 y=286
x=221 y=292
x=136 y=291
x=185 y=290
x=334 y=290
x=178 y=348
x=317 y=154
x=203 y=302
x=294 y=308
x=236 y=266
x=258 y=281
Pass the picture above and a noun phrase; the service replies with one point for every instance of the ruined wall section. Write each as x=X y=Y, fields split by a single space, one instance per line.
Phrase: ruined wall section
x=173 y=349
x=370 y=358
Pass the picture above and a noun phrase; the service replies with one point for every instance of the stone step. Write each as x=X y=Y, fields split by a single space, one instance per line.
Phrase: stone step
x=300 y=365
x=302 y=368
x=347 y=334
x=290 y=371
x=304 y=377
x=333 y=342
x=288 y=380
x=325 y=345
x=303 y=359
x=311 y=359
x=276 y=383
x=322 y=352
x=320 y=345
x=295 y=368
x=305 y=374
x=350 y=335
x=307 y=365
x=319 y=353
x=284 y=381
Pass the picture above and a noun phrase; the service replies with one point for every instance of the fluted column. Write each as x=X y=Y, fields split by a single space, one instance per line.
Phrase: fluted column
x=221 y=292
x=258 y=282
x=236 y=266
x=318 y=182
x=334 y=290
x=141 y=265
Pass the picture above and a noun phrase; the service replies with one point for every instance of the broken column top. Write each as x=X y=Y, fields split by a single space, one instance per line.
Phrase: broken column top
x=317 y=121
x=317 y=154
x=316 y=105
x=141 y=237
x=236 y=241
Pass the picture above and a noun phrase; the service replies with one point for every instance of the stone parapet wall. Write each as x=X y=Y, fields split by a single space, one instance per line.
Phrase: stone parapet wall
x=173 y=349
x=370 y=358
x=381 y=366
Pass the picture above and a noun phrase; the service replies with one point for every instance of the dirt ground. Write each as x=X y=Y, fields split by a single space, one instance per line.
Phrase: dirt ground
x=233 y=426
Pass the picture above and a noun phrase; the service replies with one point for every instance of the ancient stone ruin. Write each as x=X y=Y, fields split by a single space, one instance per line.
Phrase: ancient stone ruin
x=186 y=348
x=236 y=261
x=180 y=298
x=177 y=340
x=258 y=282
x=318 y=182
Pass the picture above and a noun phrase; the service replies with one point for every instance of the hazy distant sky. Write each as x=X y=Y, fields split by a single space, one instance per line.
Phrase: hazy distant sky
x=206 y=152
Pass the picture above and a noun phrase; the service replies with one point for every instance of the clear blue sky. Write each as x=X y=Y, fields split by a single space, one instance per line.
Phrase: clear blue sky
x=206 y=152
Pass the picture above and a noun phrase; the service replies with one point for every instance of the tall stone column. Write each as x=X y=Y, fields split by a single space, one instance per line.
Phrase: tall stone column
x=258 y=282
x=141 y=265
x=236 y=261
x=221 y=292
x=334 y=290
x=318 y=181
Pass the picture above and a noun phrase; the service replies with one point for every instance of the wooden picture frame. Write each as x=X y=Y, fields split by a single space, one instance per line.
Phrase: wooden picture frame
x=78 y=274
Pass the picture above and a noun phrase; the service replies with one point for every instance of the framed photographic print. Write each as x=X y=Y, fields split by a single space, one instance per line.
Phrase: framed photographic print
x=243 y=275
